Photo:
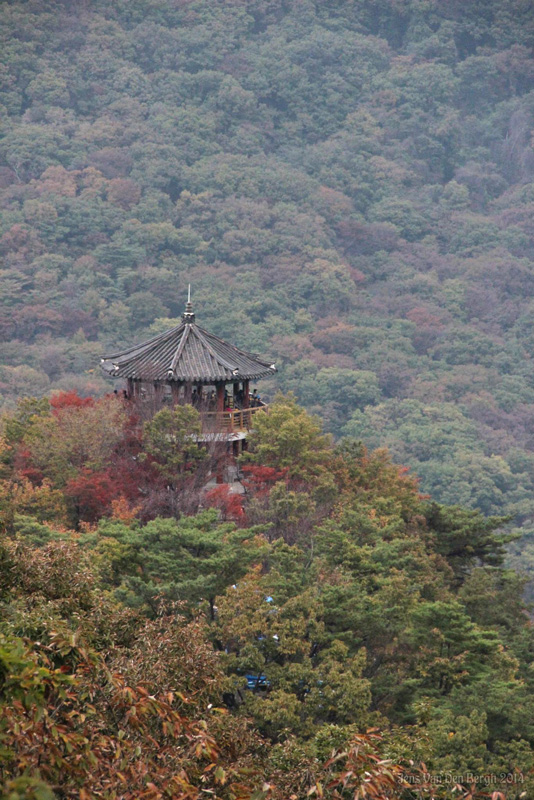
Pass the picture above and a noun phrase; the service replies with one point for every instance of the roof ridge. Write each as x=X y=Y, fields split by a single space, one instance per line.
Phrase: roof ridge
x=146 y=349
x=218 y=358
x=146 y=344
x=180 y=348
x=233 y=346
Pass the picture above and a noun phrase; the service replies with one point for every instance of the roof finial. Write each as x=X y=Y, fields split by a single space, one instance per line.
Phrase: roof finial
x=188 y=315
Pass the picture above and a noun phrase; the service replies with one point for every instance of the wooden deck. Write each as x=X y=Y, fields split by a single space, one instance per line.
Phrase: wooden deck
x=238 y=421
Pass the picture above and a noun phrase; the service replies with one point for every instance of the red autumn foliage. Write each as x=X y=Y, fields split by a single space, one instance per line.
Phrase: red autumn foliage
x=24 y=467
x=134 y=476
x=63 y=400
x=229 y=504
x=423 y=317
x=92 y=494
x=260 y=480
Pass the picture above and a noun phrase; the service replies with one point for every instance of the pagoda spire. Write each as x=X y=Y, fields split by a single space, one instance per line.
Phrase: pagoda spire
x=188 y=316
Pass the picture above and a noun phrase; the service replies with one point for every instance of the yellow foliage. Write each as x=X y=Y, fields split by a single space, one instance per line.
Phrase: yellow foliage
x=43 y=502
x=123 y=511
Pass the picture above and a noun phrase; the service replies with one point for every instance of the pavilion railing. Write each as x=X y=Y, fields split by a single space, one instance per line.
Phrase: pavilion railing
x=235 y=421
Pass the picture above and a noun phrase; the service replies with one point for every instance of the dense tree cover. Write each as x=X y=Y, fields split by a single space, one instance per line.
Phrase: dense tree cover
x=77 y=459
x=331 y=631
x=348 y=186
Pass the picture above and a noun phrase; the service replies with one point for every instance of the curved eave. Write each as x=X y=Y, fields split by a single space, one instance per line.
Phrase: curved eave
x=164 y=377
x=186 y=354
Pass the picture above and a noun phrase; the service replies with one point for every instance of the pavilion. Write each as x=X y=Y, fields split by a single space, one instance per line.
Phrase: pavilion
x=189 y=365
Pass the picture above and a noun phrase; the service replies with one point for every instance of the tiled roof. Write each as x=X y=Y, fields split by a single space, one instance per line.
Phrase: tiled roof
x=187 y=353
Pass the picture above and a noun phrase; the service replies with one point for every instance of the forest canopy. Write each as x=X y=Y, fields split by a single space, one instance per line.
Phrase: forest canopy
x=348 y=186
x=329 y=632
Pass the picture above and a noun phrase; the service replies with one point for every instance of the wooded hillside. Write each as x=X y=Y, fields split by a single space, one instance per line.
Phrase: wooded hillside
x=328 y=634
x=348 y=186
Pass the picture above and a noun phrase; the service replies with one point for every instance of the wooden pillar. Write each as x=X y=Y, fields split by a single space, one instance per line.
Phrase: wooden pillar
x=220 y=397
x=246 y=394
x=158 y=394
x=131 y=388
x=175 y=389
x=188 y=391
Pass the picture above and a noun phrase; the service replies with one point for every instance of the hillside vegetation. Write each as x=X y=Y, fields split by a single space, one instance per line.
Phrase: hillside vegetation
x=348 y=186
x=329 y=634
